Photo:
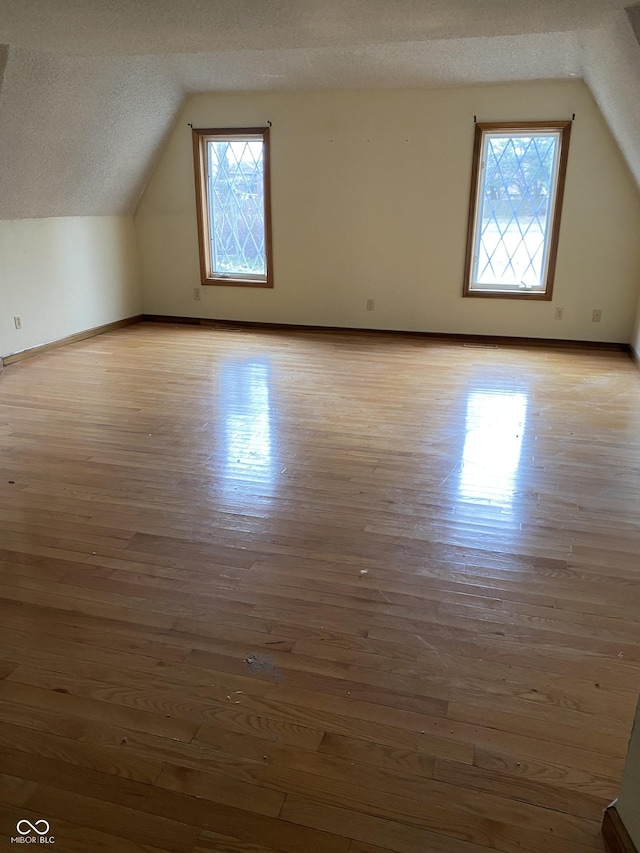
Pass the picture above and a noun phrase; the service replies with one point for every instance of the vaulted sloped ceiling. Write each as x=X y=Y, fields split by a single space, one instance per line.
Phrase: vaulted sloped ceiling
x=610 y=57
x=90 y=88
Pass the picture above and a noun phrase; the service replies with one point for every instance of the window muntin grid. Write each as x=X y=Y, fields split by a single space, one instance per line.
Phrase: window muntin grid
x=235 y=184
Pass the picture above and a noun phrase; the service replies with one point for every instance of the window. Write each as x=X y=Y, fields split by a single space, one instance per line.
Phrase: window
x=514 y=212
x=233 y=206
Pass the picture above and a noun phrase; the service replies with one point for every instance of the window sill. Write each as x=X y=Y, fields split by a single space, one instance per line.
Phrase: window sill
x=229 y=281
x=508 y=294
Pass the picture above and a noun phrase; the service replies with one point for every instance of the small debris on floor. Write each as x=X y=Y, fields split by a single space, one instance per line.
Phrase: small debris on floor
x=237 y=697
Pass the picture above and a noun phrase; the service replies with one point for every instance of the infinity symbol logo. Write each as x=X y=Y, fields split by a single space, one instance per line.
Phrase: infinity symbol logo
x=32 y=827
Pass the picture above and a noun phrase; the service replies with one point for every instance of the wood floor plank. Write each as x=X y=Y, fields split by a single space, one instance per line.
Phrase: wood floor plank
x=601 y=785
x=224 y=844
x=536 y=792
x=278 y=591
x=384 y=756
x=113 y=819
x=66 y=703
x=62 y=785
x=15 y=791
x=114 y=761
x=78 y=837
x=465 y=819
x=595 y=742
x=360 y=827
x=219 y=787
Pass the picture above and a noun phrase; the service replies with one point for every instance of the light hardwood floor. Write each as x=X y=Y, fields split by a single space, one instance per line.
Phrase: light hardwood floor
x=316 y=593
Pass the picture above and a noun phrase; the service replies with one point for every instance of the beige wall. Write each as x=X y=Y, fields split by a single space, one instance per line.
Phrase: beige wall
x=628 y=801
x=635 y=333
x=63 y=276
x=370 y=194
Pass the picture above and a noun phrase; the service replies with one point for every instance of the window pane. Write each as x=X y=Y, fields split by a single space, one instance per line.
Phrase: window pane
x=236 y=206
x=515 y=210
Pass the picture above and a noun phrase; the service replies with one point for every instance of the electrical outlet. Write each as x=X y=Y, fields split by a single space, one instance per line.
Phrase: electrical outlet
x=370 y=304
x=196 y=293
x=559 y=313
x=596 y=316
x=17 y=322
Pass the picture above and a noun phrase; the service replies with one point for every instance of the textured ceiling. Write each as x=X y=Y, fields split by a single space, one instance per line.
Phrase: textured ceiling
x=202 y=26
x=91 y=87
